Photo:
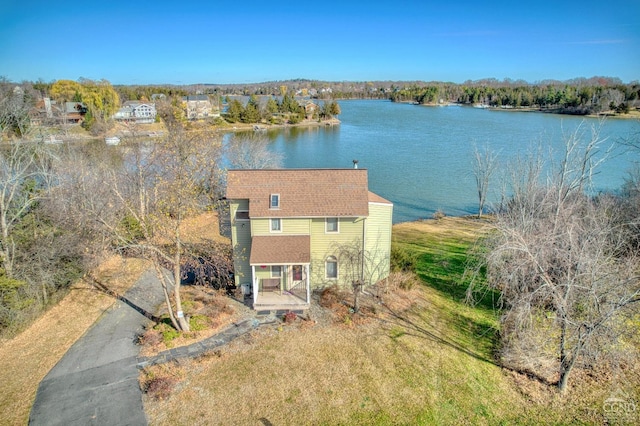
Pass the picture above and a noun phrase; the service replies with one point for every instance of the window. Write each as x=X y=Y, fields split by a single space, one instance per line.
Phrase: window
x=331 y=268
x=242 y=215
x=276 y=271
x=276 y=225
x=331 y=224
x=274 y=202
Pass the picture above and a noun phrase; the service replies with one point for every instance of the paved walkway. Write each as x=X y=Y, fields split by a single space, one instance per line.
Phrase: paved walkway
x=206 y=345
x=96 y=381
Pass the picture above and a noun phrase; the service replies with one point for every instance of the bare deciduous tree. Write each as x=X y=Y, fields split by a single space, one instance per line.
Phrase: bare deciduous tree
x=166 y=186
x=140 y=206
x=360 y=267
x=15 y=102
x=556 y=258
x=252 y=152
x=484 y=166
x=23 y=177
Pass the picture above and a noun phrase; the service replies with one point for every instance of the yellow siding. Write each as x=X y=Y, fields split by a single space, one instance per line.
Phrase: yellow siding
x=378 y=242
x=290 y=226
x=264 y=272
x=325 y=244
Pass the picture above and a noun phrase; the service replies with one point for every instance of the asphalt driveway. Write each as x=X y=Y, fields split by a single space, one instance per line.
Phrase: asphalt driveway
x=96 y=381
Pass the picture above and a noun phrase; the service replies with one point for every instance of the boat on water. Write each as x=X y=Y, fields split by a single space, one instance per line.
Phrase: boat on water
x=481 y=106
x=112 y=140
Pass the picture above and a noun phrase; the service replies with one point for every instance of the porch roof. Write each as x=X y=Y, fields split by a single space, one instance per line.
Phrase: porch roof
x=280 y=250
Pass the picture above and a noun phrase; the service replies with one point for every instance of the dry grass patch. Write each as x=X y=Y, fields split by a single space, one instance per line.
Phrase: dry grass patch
x=459 y=227
x=29 y=356
x=202 y=228
x=380 y=372
x=199 y=229
x=158 y=381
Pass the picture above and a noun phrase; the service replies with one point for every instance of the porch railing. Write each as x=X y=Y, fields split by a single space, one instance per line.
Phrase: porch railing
x=299 y=290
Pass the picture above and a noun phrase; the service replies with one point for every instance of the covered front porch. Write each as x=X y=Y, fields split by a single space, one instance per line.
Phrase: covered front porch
x=290 y=291
x=280 y=272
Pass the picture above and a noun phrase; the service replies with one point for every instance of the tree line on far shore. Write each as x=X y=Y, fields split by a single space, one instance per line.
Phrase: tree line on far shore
x=596 y=95
x=581 y=98
x=274 y=111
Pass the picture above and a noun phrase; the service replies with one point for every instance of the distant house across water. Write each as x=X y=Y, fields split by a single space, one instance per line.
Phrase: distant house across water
x=199 y=107
x=137 y=111
x=47 y=110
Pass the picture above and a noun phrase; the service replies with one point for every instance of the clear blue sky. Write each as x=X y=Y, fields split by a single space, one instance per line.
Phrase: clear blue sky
x=153 y=42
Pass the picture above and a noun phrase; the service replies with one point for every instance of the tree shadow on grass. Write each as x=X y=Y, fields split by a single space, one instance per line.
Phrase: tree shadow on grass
x=446 y=271
x=466 y=325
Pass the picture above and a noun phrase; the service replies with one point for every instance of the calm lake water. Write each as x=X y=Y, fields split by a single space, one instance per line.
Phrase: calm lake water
x=420 y=158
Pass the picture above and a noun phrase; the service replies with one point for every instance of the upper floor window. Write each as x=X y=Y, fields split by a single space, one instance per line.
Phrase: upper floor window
x=274 y=202
x=331 y=224
x=276 y=225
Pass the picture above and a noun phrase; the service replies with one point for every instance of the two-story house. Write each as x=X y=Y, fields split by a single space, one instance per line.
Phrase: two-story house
x=199 y=107
x=294 y=230
x=137 y=111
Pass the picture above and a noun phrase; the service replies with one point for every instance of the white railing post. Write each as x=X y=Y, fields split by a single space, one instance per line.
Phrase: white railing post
x=306 y=267
x=254 y=285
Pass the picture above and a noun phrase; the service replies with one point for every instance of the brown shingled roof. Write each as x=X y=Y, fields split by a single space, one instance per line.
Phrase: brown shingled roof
x=375 y=198
x=280 y=249
x=303 y=192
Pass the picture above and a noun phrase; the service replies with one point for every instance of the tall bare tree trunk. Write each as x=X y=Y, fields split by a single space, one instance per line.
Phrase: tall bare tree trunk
x=165 y=290
x=7 y=244
x=177 y=277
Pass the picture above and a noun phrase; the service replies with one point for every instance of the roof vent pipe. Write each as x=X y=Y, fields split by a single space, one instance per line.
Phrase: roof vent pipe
x=355 y=164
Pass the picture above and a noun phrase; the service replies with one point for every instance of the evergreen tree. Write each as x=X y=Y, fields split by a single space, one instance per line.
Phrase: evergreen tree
x=272 y=106
x=289 y=104
x=234 y=112
x=334 y=109
x=251 y=112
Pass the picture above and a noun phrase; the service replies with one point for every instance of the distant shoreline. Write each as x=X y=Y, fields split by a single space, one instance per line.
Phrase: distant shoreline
x=558 y=111
x=243 y=127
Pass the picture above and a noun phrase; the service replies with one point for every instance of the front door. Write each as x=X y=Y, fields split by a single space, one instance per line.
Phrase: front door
x=296 y=274
x=297 y=283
